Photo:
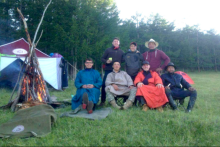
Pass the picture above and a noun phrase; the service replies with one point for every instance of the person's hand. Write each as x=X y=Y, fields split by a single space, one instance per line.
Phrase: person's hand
x=139 y=85
x=108 y=61
x=115 y=87
x=90 y=86
x=131 y=87
x=84 y=86
x=167 y=87
x=191 y=89
x=159 y=86
x=159 y=70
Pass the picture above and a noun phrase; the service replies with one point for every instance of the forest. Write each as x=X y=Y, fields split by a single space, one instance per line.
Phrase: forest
x=78 y=29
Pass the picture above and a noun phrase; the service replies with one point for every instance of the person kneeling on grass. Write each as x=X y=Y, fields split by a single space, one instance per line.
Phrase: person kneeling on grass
x=88 y=83
x=119 y=83
x=174 y=84
x=150 y=89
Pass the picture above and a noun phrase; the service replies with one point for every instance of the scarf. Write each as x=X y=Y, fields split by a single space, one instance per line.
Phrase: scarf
x=147 y=76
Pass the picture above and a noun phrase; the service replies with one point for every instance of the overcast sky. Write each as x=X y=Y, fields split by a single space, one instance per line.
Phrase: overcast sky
x=205 y=13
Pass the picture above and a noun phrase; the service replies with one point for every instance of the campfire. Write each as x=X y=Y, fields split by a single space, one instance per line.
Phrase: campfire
x=32 y=89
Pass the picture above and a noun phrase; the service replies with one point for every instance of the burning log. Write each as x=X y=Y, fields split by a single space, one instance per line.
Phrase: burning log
x=32 y=87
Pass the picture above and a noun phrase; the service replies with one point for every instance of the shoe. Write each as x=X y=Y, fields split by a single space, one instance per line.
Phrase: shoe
x=160 y=109
x=102 y=104
x=85 y=100
x=127 y=105
x=145 y=107
x=188 y=111
x=90 y=107
x=113 y=103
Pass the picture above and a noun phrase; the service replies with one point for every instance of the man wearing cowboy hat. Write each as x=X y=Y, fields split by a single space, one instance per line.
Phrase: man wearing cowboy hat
x=155 y=56
x=174 y=87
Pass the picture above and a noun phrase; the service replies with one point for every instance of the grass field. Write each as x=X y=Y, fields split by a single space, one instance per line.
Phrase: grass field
x=135 y=127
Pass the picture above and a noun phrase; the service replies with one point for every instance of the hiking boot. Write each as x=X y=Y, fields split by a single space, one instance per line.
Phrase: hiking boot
x=188 y=111
x=145 y=107
x=85 y=100
x=102 y=104
x=160 y=109
x=90 y=107
x=113 y=103
x=127 y=105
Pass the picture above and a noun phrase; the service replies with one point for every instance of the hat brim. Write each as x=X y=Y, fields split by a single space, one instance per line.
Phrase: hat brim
x=146 y=44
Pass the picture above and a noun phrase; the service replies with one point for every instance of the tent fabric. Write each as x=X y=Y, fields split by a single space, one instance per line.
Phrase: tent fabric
x=30 y=122
x=185 y=76
x=9 y=74
x=19 y=48
x=49 y=67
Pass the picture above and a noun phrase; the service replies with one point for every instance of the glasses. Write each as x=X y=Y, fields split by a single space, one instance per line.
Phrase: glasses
x=89 y=62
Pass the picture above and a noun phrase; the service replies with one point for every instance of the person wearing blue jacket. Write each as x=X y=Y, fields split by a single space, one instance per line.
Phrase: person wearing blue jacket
x=175 y=86
x=88 y=83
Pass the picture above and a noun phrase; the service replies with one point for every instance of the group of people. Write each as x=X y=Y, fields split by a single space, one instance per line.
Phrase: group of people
x=141 y=81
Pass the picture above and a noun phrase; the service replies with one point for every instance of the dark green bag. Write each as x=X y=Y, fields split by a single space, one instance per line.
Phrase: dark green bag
x=34 y=121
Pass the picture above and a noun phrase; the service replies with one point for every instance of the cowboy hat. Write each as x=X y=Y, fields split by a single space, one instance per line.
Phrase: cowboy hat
x=151 y=40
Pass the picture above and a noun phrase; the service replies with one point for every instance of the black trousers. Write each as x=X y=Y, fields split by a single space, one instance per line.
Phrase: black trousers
x=103 y=96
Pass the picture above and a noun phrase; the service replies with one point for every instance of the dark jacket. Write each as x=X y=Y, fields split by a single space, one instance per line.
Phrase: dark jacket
x=133 y=62
x=115 y=54
x=155 y=59
x=175 y=80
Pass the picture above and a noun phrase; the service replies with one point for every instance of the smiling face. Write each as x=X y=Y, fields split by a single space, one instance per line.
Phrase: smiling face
x=170 y=69
x=151 y=45
x=88 y=64
x=133 y=47
x=116 y=66
x=116 y=43
x=146 y=67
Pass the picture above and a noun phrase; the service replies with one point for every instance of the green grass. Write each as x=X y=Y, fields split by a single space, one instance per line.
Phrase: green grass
x=134 y=127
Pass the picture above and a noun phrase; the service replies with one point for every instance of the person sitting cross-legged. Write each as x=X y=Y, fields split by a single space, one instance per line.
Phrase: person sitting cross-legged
x=175 y=84
x=88 y=83
x=150 y=89
x=119 y=83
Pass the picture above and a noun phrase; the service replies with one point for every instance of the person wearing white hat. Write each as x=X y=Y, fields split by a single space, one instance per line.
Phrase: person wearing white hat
x=155 y=56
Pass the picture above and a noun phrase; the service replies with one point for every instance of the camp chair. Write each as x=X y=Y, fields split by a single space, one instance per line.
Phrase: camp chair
x=121 y=99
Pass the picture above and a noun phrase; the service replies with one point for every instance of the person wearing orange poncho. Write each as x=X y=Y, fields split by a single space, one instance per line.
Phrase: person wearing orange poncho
x=150 y=89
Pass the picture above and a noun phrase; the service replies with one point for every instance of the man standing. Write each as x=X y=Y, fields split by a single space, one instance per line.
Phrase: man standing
x=111 y=55
x=88 y=83
x=119 y=83
x=155 y=56
x=174 y=87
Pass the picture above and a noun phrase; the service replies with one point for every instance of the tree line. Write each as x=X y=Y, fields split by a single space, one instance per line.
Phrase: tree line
x=78 y=29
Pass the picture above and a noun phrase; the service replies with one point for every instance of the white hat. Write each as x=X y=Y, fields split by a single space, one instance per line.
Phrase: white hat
x=151 y=40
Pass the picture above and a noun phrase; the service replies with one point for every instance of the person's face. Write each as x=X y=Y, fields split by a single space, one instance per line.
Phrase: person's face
x=116 y=66
x=88 y=64
x=151 y=45
x=116 y=43
x=133 y=47
x=171 y=69
x=146 y=67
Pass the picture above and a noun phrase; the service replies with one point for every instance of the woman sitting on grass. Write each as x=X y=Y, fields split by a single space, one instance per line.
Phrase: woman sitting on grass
x=150 y=89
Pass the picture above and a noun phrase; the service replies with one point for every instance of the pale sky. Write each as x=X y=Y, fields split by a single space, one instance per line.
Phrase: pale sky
x=205 y=13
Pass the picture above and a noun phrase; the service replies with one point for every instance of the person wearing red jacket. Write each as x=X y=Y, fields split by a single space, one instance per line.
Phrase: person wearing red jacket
x=155 y=56
x=150 y=89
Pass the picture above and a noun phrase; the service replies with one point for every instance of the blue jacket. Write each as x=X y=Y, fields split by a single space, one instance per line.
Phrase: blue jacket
x=176 y=81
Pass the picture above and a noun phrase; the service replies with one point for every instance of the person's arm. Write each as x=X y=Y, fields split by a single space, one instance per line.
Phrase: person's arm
x=98 y=83
x=165 y=58
x=185 y=84
x=157 y=79
x=109 y=80
x=78 y=83
x=138 y=79
x=122 y=58
x=104 y=56
x=129 y=80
